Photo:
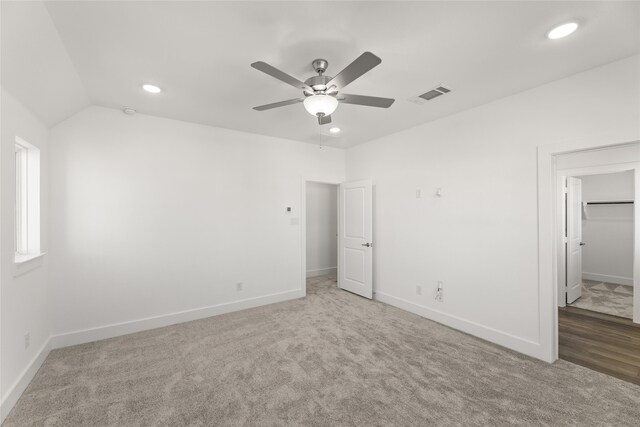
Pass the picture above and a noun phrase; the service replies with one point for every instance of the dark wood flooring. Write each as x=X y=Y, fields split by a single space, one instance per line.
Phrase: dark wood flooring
x=601 y=342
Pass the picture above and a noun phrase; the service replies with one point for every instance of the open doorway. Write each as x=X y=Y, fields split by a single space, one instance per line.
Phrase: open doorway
x=599 y=230
x=321 y=234
x=598 y=259
x=337 y=237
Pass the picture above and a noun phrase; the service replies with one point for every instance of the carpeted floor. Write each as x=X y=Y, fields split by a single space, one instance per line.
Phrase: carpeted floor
x=329 y=359
x=606 y=298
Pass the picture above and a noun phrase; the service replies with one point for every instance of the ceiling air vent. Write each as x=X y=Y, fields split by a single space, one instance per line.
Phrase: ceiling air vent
x=432 y=94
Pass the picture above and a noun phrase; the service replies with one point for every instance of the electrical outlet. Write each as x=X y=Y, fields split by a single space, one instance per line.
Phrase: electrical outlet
x=27 y=340
x=418 y=193
x=239 y=286
x=439 y=292
x=419 y=290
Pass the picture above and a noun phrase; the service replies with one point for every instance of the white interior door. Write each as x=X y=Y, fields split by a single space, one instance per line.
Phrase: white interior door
x=355 y=243
x=574 y=239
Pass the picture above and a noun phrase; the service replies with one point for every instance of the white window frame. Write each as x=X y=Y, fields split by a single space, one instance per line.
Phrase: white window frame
x=22 y=213
x=27 y=202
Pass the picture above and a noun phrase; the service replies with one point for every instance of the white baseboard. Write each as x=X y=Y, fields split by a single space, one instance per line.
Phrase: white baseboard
x=322 y=271
x=521 y=345
x=18 y=387
x=124 y=328
x=619 y=280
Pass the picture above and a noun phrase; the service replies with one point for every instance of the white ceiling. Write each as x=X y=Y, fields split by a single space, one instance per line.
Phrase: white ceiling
x=199 y=53
x=35 y=66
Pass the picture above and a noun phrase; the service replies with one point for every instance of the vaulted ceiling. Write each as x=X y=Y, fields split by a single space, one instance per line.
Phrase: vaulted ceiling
x=59 y=57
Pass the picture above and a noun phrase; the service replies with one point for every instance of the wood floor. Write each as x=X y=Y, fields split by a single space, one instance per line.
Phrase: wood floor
x=601 y=342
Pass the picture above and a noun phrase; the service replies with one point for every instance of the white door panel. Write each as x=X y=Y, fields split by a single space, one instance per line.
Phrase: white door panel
x=574 y=239
x=354 y=221
x=354 y=264
x=355 y=257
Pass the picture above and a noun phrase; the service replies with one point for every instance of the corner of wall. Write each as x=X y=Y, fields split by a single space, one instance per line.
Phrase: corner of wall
x=20 y=385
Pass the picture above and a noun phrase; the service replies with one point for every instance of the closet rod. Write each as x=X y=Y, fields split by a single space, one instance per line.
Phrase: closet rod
x=609 y=203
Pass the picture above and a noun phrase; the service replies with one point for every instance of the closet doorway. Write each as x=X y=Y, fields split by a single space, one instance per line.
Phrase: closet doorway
x=321 y=233
x=599 y=230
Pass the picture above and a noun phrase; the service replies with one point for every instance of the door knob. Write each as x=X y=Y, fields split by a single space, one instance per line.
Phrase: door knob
x=366 y=244
x=582 y=243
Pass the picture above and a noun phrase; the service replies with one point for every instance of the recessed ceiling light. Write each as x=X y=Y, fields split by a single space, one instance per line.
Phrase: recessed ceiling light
x=562 y=30
x=151 y=88
x=334 y=130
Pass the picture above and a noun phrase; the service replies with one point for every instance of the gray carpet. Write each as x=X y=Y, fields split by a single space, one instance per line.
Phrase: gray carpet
x=606 y=298
x=329 y=359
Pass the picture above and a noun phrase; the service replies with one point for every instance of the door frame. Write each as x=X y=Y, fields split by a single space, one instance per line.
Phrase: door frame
x=547 y=300
x=561 y=176
x=303 y=222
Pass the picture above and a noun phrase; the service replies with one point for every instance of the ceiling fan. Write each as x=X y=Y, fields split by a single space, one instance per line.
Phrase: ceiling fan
x=322 y=93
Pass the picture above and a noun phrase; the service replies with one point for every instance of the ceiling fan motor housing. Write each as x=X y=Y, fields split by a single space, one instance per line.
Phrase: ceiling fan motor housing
x=318 y=83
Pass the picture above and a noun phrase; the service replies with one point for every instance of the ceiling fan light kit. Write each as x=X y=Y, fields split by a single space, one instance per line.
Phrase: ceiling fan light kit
x=323 y=105
x=322 y=93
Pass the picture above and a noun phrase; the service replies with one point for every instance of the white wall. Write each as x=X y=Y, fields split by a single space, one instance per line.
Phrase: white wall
x=152 y=217
x=23 y=298
x=481 y=237
x=602 y=158
x=322 y=228
x=608 y=229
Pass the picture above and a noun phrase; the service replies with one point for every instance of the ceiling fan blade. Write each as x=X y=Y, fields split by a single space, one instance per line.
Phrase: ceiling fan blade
x=278 y=104
x=280 y=75
x=323 y=120
x=361 y=65
x=370 y=101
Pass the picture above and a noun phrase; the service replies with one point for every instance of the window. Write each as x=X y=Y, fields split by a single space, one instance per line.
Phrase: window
x=27 y=215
